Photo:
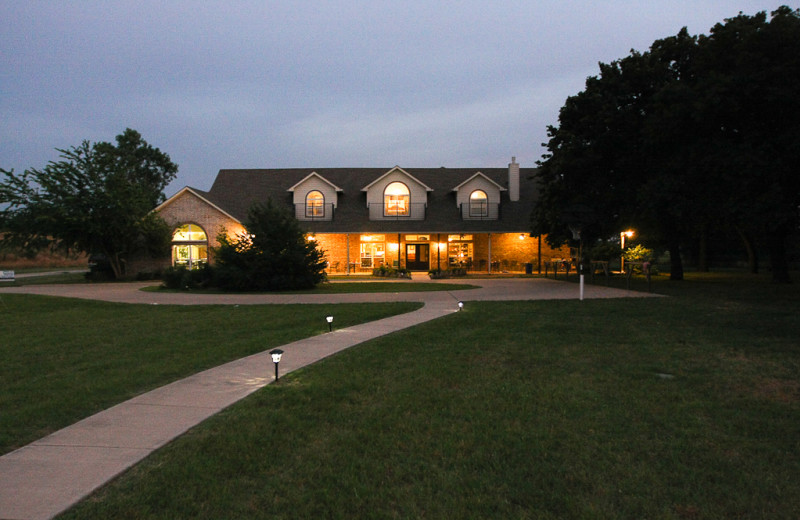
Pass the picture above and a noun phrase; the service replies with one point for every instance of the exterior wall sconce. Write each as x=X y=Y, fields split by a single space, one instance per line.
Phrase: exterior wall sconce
x=276 y=358
x=329 y=319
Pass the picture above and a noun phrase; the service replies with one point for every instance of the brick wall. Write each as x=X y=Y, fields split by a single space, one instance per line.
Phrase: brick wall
x=204 y=215
x=509 y=251
x=187 y=208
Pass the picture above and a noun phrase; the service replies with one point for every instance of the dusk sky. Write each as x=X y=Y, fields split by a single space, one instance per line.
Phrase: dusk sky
x=266 y=84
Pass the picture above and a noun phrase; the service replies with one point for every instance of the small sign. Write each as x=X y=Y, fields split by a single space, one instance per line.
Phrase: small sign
x=7 y=276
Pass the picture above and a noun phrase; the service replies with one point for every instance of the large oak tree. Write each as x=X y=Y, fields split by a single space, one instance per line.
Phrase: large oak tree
x=694 y=135
x=97 y=199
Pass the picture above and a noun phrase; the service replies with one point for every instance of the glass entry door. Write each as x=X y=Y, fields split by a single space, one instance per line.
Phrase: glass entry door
x=418 y=257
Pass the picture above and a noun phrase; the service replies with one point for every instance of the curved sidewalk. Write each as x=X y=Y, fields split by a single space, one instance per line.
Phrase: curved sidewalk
x=50 y=475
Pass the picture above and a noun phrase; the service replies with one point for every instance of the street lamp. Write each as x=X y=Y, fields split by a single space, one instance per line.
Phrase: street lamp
x=276 y=358
x=622 y=236
x=329 y=319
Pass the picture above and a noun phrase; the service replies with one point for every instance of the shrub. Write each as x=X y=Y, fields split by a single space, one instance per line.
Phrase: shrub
x=640 y=254
x=182 y=278
x=447 y=273
x=273 y=255
x=385 y=271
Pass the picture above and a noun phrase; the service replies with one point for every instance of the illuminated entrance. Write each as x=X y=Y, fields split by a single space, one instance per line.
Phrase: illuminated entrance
x=418 y=257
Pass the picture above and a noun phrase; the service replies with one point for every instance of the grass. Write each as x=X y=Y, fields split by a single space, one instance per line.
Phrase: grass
x=65 y=359
x=681 y=407
x=54 y=277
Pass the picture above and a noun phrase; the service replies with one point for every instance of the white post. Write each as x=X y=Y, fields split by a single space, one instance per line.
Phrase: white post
x=490 y=253
x=347 y=247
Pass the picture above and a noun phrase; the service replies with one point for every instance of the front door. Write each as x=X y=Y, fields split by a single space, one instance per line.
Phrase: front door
x=418 y=257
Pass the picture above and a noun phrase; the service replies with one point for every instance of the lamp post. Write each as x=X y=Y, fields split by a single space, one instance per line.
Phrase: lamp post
x=622 y=236
x=276 y=358
x=329 y=319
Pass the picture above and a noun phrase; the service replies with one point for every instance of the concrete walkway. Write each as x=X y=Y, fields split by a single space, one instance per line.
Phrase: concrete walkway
x=50 y=475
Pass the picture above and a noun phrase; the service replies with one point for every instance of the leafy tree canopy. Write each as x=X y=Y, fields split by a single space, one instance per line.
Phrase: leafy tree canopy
x=98 y=199
x=272 y=255
x=696 y=134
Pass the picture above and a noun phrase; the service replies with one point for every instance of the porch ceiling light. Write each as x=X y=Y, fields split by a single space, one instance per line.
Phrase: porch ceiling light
x=329 y=319
x=276 y=358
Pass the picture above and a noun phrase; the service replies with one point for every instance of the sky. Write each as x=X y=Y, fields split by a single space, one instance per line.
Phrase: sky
x=314 y=84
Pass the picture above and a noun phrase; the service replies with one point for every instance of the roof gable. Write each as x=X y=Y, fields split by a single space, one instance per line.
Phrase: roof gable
x=313 y=175
x=480 y=175
x=396 y=169
x=192 y=192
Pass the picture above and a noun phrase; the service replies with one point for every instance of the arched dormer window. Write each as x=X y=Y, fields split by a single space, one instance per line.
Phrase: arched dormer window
x=189 y=246
x=396 y=200
x=478 y=204
x=315 y=204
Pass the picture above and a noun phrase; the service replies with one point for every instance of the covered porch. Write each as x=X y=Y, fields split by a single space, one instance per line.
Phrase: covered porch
x=360 y=253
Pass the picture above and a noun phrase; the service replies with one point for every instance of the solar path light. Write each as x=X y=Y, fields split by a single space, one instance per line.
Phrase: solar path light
x=276 y=358
x=329 y=319
x=460 y=305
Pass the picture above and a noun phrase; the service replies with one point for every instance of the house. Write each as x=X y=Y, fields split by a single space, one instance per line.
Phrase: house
x=414 y=218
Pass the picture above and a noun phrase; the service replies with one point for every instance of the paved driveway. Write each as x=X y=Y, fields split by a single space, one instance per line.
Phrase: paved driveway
x=489 y=289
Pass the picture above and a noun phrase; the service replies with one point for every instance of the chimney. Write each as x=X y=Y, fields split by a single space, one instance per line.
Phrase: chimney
x=513 y=180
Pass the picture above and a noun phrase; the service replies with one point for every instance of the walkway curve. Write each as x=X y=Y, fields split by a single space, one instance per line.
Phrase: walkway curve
x=48 y=476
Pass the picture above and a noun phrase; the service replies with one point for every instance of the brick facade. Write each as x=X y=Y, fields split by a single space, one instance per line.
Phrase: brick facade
x=357 y=236
x=509 y=252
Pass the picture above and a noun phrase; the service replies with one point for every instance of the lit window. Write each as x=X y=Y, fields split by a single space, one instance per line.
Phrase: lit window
x=373 y=251
x=315 y=204
x=478 y=204
x=189 y=246
x=396 y=199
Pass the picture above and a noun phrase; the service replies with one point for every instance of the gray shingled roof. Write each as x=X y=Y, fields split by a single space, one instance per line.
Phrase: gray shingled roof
x=236 y=191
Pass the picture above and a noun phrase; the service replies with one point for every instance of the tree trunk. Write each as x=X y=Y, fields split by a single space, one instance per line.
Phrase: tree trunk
x=777 y=257
x=752 y=255
x=675 y=263
x=117 y=265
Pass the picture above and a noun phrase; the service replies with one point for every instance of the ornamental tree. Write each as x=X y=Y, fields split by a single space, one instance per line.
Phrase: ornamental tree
x=273 y=254
x=97 y=199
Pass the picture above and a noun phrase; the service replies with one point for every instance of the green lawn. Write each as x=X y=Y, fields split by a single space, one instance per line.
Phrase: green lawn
x=64 y=359
x=679 y=407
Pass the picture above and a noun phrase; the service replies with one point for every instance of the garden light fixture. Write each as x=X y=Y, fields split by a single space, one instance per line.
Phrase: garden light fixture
x=276 y=358
x=460 y=305
x=622 y=236
x=329 y=319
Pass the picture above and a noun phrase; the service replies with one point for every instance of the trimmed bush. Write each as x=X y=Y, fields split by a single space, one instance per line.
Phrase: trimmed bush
x=385 y=271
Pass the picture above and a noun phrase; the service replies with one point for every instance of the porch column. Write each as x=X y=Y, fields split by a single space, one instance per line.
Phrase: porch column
x=438 y=252
x=540 y=253
x=399 y=253
x=490 y=253
x=347 y=247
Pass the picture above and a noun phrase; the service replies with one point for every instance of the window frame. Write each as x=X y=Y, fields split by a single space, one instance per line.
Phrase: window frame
x=478 y=208
x=194 y=243
x=315 y=209
x=396 y=204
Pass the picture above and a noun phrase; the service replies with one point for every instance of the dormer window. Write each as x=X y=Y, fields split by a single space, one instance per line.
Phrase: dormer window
x=396 y=200
x=315 y=204
x=478 y=204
